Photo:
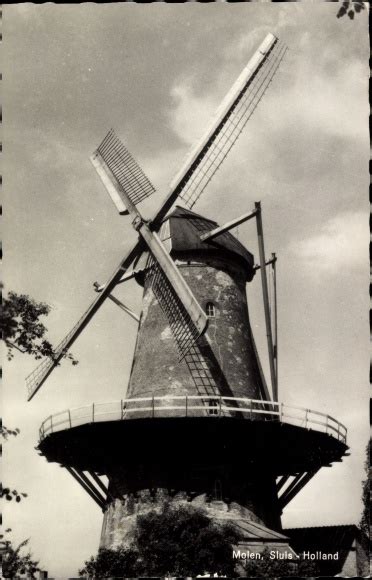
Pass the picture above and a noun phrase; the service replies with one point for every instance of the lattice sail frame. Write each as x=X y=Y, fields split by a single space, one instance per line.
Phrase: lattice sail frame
x=125 y=169
x=48 y=364
x=238 y=117
x=183 y=329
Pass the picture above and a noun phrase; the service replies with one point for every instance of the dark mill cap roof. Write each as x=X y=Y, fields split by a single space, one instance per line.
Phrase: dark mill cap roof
x=186 y=227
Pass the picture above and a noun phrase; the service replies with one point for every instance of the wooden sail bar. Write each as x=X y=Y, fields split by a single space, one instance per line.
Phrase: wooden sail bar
x=199 y=167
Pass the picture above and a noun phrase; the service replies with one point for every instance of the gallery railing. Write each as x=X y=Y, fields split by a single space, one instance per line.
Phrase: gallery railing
x=194 y=406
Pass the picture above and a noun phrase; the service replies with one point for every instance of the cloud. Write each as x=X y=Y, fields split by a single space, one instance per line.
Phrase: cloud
x=332 y=106
x=341 y=243
x=192 y=113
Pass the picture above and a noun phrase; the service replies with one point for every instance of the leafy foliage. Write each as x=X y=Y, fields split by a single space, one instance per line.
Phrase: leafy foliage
x=11 y=494
x=14 y=562
x=266 y=568
x=365 y=521
x=184 y=542
x=180 y=541
x=350 y=8
x=21 y=328
x=116 y=563
x=5 y=432
x=6 y=491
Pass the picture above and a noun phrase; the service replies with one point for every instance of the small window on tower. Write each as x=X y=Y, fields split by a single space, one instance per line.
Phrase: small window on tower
x=210 y=310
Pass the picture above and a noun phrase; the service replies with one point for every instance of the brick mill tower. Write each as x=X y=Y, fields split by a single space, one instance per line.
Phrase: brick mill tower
x=198 y=422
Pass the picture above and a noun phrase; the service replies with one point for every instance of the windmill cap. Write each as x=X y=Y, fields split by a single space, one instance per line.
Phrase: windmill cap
x=185 y=229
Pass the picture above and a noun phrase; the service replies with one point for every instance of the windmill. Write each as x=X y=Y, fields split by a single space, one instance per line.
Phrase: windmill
x=198 y=422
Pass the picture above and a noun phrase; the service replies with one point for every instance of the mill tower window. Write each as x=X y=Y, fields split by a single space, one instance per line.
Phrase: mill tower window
x=210 y=310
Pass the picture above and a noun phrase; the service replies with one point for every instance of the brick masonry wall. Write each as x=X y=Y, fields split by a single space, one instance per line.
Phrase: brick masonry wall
x=120 y=516
x=156 y=368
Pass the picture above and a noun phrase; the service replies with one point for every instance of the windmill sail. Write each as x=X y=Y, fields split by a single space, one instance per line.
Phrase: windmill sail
x=187 y=318
x=229 y=121
x=228 y=132
x=36 y=379
x=132 y=186
x=126 y=171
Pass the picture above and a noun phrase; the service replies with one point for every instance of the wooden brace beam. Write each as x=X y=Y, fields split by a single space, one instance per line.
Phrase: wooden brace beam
x=119 y=303
x=228 y=226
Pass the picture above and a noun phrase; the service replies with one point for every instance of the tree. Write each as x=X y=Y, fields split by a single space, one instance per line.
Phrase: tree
x=184 y=541
x=6 y=491
x=14 y=562
x=366 y=514
x=180 y=541
x=22 y=329
x=116 y=563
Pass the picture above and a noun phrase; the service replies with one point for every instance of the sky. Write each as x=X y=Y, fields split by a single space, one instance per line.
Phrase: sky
x=156 y=73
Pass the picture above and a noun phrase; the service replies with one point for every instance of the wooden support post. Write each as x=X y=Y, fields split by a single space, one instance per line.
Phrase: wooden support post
x=92 y=412
x=91 y=486
x=69 y=418
x=121 y=410
x=153 y=406
x=296 y=486
x=87 y=486
x=261 y=248
x=281 y=482
x=291 y=486
x=263 y=385
x=275 y=346
x=95 y=477
x=186 y=406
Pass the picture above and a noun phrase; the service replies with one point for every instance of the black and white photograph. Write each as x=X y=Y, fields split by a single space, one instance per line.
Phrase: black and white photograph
x=185 y=331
